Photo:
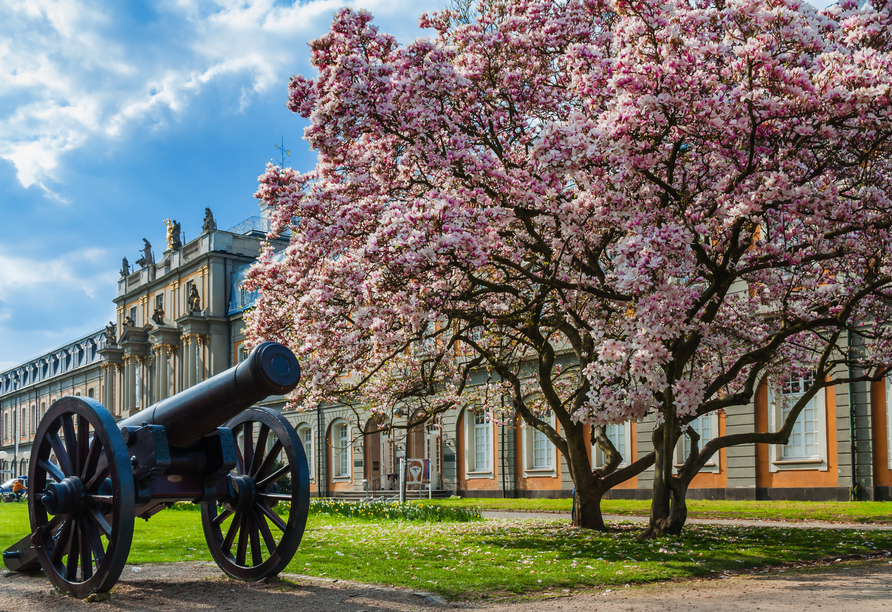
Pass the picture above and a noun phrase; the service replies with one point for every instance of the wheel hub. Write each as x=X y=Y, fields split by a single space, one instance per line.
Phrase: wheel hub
x=65 y=498
x=245 y=489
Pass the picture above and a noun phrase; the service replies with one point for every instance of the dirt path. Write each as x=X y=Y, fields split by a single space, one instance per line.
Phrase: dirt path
x=199 y=586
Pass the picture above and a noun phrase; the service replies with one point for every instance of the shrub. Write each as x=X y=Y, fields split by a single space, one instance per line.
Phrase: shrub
x=409 y=511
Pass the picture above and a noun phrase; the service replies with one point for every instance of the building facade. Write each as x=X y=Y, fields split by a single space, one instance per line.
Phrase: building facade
x=172 y=331
x=179 y=321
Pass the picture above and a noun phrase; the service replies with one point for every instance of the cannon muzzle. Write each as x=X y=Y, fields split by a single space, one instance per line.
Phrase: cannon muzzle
x=270 y=369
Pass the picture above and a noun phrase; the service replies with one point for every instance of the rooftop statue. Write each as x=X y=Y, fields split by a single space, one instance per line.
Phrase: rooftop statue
x=173 y=235
x=147 y=257
x=110 y=334
x=125 y=268
x=209 y=224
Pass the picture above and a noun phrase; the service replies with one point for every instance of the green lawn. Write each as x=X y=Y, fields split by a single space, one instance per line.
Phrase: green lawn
x=506 y=556
x=835 y=512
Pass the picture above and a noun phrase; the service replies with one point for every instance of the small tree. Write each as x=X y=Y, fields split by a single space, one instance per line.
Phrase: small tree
x=599 y=209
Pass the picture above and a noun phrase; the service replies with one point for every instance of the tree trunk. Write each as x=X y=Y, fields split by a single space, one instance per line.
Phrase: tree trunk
x=668 y=509
x=660 y=505
x=588 y=508
x=589 y=488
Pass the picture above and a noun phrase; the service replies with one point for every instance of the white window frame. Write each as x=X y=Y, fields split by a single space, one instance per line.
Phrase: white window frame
x=625 y=430
x=472 y=470
x=815 y=462
x=684 y=443
x=530 y=435
x=888 y=381
x=302 y=428
x=340 y=451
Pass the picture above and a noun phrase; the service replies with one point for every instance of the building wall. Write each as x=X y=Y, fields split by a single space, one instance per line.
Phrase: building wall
x=32 y=387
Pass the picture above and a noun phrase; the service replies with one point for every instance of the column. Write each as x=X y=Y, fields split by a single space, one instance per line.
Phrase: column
x=189 y=348
x=128 y=397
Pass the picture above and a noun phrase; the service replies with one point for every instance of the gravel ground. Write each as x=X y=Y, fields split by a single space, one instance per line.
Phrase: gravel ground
x=200 y=586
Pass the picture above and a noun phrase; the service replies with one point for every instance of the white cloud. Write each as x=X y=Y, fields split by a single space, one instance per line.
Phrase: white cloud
x=72 y=71
x=60 y=274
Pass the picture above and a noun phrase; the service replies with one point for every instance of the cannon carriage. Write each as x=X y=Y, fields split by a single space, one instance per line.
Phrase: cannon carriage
x=92 y=477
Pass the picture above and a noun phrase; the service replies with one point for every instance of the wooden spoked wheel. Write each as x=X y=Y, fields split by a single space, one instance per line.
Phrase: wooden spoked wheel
x=255 y=531
x=81 y=500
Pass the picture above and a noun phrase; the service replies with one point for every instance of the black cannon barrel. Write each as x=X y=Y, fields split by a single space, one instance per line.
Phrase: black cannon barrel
x=270 y=369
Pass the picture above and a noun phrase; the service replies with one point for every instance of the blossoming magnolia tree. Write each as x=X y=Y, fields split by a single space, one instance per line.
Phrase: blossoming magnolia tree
x=590 y=212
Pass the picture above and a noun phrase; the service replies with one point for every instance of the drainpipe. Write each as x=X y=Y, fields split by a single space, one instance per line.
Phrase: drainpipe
x=855 y=488
x=504 y=462
x=321 y=486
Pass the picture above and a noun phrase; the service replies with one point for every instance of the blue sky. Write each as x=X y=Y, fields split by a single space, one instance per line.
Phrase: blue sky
x=117 y=115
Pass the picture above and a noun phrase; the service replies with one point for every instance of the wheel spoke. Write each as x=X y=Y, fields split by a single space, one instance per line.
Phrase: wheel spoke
x=233 y=530
x=56 y=521
x=70 y=441
x=247 y=434
x=101 y=499
x=101 y=474
x=285 y=497
x=256 y=554
x=73 y=549
x=100 y=521
x=51 y=469
x=275 y=476
x=83 y=442
x=86 y=552
x=95 y=541
x=221 y=517
x=92 y=460
x=259 y=448
x=61 y=453
x=61 y=541
x=239 y=460
x=266 y=533
x=241 y=553
x=270 y=460
x=272 y=516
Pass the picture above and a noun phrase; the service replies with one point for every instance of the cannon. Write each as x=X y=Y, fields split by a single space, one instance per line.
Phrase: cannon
x=91 y=477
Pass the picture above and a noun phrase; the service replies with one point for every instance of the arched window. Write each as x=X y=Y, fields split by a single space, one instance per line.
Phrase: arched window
x=340 y=449
x=305 y=432
x=33 y=417
x=479 y=448
x=90 y=392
